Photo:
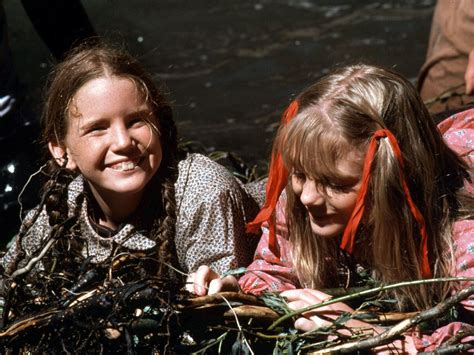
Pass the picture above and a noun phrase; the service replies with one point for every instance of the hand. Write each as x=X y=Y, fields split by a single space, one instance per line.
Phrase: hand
x=469 y=75
x=302 y=298
x=207 y=281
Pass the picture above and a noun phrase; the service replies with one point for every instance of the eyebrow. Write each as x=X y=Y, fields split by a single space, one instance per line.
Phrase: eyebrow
x=91 y=121
x=144 y=112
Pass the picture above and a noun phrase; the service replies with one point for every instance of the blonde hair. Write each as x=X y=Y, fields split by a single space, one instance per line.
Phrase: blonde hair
x=339 y=114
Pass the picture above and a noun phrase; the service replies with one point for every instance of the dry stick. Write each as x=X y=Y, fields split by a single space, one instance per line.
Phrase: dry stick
x=238 y=325
x=20 y=195
x=451 y=349
x=395 y=332
x=366 y=293
x=452 y=345
x=463 y=332
x=217 y=298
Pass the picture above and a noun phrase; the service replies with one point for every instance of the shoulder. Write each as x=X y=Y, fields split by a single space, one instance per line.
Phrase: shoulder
x=200 y=172
x=458 y=132
x=463 y=232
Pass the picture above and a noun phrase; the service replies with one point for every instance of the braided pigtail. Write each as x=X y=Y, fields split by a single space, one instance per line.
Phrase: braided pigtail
x=55 y=193
x=66 y=253
x=52 y=199
x=164 y=224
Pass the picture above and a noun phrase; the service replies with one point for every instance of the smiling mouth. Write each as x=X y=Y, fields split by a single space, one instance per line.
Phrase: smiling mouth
x=126 y=165
x=321 y=218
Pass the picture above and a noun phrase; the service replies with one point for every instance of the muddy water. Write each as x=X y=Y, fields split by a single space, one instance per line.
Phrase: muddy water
x=231 y=66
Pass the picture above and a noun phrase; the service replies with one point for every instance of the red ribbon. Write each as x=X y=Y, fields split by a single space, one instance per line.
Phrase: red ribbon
x=350 y=231
x=277 y=180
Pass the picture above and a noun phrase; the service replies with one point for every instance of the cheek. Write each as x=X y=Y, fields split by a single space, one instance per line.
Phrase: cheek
x=149 y=138
x=296 y=186
x=155 y=151
x=345 y=203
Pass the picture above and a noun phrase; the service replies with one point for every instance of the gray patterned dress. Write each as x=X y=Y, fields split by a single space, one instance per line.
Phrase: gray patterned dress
x=212 y=209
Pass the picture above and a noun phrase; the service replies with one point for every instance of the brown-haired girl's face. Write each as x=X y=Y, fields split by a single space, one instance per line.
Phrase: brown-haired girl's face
x=109 y=139
x=329 y=205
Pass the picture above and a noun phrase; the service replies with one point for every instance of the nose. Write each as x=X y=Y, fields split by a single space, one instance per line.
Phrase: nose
x=122 y=138
x=311 y=194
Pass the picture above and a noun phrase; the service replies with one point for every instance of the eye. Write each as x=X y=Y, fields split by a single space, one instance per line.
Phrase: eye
x=298 y=176
x=340 y=188
x=94 y=129
x=137 y=121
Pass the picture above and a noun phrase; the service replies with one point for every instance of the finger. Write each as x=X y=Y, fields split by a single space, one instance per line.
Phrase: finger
x=230 y=283
x=189 y=286
x=469 y=85
x=203 y=275
x=293 y=295
x=307 y=295
x=214 y=286
x=295 y=305
x=305 y=324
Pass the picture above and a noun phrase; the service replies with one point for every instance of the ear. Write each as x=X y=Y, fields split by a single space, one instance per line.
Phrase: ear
x=59 y=153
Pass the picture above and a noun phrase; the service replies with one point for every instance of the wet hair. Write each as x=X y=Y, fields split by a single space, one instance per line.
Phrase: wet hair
x=96 y=59
x=339 y=114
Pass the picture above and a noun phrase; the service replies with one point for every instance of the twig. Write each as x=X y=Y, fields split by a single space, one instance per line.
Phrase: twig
x=463 y=332
x=395 y=332
x=244 y=339
x=217 y=298
x=366 y=293
x=218 y=340
x=450 y=349
x=20 y=195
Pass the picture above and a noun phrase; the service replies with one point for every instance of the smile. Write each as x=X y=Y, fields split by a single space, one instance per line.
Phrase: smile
x=320 y=218
x=126 y=165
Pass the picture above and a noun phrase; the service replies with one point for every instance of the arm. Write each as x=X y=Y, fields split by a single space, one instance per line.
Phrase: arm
x=206 y=281
x=320 y=317
x=212 y=209
x=268 y=273
x=463 y=238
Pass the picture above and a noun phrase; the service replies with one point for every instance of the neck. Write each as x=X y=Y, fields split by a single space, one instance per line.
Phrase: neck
x=115 y=207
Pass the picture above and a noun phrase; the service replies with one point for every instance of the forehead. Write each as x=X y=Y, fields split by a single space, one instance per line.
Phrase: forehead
x=320 y=151
x=107 y=96
x=350 y=164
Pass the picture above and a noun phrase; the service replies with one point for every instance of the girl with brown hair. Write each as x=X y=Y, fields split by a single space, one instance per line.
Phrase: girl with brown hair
x=115 y=186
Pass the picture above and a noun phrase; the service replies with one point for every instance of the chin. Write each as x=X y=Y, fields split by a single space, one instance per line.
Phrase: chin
x=128 y=189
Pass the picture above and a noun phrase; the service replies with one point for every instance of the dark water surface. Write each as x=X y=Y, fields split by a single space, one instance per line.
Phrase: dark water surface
x=231 y=66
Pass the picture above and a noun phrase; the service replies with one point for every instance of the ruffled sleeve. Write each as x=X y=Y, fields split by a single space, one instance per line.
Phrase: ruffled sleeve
x=212 y=209
x=268 y=273
x=463 y=237
x=458 y=133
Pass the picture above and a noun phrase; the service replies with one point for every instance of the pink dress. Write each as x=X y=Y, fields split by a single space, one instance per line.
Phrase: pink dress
x=267 y=273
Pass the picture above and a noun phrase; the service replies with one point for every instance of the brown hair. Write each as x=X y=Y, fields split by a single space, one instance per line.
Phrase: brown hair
x=340 y=113
x=94 y=59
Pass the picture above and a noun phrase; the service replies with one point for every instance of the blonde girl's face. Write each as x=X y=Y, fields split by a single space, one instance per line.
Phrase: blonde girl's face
x=330 y=205
x=109 y=140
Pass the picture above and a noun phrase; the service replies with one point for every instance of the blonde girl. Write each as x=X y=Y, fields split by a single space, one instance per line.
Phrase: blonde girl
x=371 y=187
